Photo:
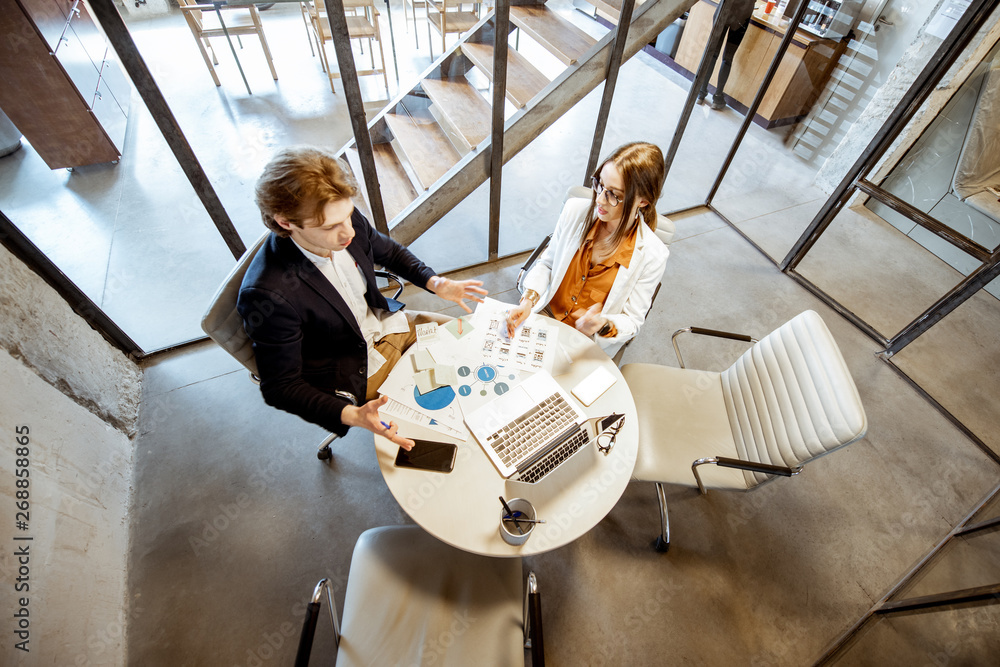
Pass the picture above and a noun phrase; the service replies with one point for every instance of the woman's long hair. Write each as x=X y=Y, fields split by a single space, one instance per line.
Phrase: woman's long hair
x=642 y=170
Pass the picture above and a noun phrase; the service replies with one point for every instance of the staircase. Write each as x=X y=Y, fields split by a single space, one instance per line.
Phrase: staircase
x=432 y=142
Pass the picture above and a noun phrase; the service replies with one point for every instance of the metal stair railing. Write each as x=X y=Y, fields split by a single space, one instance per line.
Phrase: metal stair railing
x=527 y=123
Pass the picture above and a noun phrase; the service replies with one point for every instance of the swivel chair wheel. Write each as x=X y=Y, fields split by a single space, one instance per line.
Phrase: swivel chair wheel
x=661 y=545
x=324 y=453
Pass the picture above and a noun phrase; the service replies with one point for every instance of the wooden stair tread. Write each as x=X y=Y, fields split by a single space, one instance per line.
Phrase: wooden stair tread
x=469 y=113
x=454 y=21
x=396 y=188
x=425 y=144
x=612 y=8
x=559 y=36
x=360 y=199
x=523 y=79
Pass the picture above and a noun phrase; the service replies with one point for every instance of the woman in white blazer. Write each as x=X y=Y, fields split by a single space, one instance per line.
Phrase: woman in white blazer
x=603 y=264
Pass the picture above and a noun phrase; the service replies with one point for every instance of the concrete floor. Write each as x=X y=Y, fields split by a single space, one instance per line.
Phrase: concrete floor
x=235 y=520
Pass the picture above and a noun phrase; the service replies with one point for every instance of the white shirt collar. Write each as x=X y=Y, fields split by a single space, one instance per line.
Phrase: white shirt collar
x=313 y=257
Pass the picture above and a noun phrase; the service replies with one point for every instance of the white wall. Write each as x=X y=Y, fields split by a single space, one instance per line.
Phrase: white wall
x=79 y=477
x=39 y=328
x=77 y=398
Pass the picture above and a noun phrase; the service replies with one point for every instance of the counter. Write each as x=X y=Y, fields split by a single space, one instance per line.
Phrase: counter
x=804 y=71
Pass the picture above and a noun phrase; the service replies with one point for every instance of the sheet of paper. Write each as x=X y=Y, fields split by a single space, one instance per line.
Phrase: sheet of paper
x=444 y=374
x=399 y=412
x=425 y=381
x=438 y=404
x=427 y=334
x=533 y=346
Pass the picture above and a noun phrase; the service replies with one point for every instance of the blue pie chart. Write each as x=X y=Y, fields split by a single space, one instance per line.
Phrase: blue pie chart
x=436 y=399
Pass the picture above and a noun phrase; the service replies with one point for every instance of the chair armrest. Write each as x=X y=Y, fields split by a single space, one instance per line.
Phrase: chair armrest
x=532 y=621
x=393 y=278
x=724 y=462
x=706 y=332
x=309 y=624
x=530 y=261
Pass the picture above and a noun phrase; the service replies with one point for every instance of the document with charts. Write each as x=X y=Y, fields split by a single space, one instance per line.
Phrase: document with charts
x=532 y=347
x=437 y=409
x=485 y=364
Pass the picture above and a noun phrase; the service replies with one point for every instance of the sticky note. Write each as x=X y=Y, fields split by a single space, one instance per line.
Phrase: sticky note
x=422 y=360
x=425 y=381
x=445 y=375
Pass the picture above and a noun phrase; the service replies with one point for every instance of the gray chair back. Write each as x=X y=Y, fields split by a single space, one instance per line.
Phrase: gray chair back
x=222 y=322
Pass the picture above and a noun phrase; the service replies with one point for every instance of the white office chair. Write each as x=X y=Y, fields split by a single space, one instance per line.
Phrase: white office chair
x=223 y=323
x=413 y=600
x=978 y=165
x=665 y=231
x=786 y=401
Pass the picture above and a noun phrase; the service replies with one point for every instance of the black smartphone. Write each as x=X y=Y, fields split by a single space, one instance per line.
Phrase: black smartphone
x=428 y=455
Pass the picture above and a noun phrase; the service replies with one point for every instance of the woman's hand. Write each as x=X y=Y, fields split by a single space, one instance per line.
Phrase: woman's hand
x=517 y=315
x=458 y=290
x=590 y=321
x=366 y=416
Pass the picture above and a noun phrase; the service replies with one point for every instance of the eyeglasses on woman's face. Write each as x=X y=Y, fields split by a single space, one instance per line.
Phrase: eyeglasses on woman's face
x=612 y=198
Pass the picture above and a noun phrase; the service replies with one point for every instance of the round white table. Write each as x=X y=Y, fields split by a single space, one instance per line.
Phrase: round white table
x=462 y=508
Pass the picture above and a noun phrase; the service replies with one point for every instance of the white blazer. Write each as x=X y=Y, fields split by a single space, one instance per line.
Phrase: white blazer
x=632 y=292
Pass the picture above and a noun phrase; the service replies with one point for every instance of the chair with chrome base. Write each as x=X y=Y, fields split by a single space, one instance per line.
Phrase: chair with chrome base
x=664 y=231
x=223 y=324
x=786 y=401
x=412 y=599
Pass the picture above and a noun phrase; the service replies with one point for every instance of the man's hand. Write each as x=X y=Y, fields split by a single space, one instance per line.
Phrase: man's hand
x=367 y=417
x=590 y=321
x=458 y=290
x=516 y=316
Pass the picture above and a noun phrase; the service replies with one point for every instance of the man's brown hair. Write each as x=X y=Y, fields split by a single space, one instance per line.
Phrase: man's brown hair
x=298 y=183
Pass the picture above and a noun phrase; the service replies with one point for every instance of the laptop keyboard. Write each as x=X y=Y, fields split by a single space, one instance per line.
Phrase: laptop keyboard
x=551 y=461
x=543 y=423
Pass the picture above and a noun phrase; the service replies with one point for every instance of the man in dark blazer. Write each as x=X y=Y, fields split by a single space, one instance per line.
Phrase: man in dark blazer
x=309 y=301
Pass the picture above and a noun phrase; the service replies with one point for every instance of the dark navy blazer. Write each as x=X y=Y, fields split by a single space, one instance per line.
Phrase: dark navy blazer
x=306 y=340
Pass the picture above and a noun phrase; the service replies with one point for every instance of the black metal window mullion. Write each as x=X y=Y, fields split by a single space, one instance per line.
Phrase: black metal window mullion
x=772 y=69
x=114 y=27
x=702 y=75
x=610 y=81
x=501 y=29
x=963 y=32
x=356 y=110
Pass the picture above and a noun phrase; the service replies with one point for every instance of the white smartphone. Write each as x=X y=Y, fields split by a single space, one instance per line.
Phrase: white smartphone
x=590 y=388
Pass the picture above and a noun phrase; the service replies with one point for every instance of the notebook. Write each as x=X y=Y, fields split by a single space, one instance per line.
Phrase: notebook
x=530 y=430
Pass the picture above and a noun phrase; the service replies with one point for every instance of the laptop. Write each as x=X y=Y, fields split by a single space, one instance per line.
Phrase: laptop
x=530 y=430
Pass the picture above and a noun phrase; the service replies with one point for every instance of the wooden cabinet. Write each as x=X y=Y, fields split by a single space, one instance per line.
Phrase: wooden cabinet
x=801 y=76
x=60 y=84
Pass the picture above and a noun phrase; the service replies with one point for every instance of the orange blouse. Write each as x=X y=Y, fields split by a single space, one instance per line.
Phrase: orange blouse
x=584 y=285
